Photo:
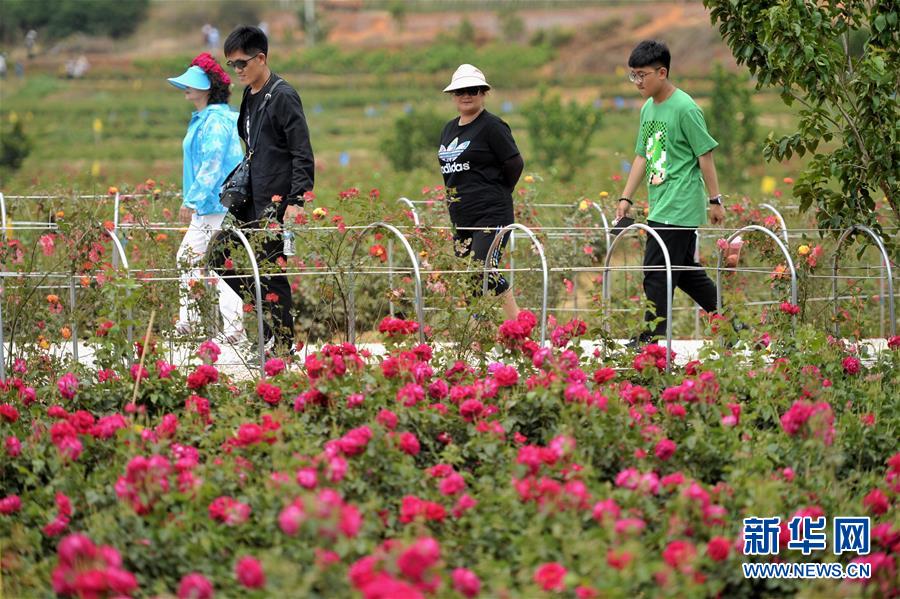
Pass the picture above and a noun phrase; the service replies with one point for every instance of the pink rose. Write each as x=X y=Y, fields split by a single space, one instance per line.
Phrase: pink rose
x=717 y=548
x=665 y=449
x=195 y=586
x=551 y=576
x=249 y=573
x=466 y=582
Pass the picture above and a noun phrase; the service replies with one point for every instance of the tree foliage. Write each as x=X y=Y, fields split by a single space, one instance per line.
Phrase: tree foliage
x=560 y=133
x=413 y=140
x=847 y=92
x=14 y=148
x=732 y=121
x=59 y=18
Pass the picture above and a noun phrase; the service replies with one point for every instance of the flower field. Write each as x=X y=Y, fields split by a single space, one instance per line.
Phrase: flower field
x=531 y=472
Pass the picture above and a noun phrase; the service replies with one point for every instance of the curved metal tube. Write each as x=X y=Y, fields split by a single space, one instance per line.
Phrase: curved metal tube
x=781 y=246
x=120 y=252
x=412 y=208
x=115 y=231
x=257 y=286
x=884 y=260
x=351 y=296
x=72 y=306
x=669 y=291
x=2 y=347
x=544 y=271
x=3 y=216
x=784 y=231
x=605 y=223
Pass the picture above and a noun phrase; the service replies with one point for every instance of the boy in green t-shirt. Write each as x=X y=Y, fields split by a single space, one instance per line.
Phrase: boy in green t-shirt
x=675 y=150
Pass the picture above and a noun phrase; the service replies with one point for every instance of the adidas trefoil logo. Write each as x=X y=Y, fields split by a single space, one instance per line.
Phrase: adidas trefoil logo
x=452 y=152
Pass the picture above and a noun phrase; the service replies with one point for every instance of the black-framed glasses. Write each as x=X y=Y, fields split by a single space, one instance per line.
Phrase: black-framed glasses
x=241 y=63
x=468 y=91
x=638 y=77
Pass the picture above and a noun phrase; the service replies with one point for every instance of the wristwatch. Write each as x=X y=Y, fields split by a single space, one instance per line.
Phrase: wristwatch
x=716 y=200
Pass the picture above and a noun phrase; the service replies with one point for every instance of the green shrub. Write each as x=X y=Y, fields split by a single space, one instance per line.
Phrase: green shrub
x=59 y=18
x=732 y=122
x=14 y=148
x=560 y=133
x=555 y=37
x=411 y=142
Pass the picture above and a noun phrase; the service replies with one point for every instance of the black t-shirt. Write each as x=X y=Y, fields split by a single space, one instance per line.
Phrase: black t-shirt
x=471 y=158
x=253 y=102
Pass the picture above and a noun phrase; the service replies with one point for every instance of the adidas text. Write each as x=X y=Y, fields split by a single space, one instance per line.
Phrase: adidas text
x=454 y=168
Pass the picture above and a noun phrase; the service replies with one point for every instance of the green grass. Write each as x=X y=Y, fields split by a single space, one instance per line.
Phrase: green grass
x=144 y=120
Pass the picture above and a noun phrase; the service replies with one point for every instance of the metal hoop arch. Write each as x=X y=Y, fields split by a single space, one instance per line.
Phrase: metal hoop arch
x=665 y=250
x=498 y=236
x=351 y=295
x=885 y=259
x=773 y=209
x=781 y=246
x=412 y=208
x=257 y=287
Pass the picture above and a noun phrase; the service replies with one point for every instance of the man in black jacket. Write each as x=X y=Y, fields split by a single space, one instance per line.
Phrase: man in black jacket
x=282 y=169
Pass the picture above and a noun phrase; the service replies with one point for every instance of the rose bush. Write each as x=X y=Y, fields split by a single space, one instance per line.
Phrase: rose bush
x=536 y=470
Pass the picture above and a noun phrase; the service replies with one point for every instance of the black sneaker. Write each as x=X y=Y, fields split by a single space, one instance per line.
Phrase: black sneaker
x=637 y=343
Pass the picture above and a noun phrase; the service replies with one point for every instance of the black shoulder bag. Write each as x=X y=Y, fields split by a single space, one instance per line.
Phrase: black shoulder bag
x=236 y=190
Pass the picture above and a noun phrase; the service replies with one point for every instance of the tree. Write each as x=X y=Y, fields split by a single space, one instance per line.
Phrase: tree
x=59 y=18
x=732 y=121
x=398 y=9
x=412 y=141
x=560 y=133
x=511 y=24
x=809 y=51
x=14 y=148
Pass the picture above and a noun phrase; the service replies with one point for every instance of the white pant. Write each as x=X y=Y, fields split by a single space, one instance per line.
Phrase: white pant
x=192 y=249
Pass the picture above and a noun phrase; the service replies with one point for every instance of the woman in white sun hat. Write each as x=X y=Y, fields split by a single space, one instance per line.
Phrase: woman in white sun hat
x=211 y=149
x=481 y=165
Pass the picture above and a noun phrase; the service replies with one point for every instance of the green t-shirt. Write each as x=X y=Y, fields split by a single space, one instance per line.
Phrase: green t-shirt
x=671 y=137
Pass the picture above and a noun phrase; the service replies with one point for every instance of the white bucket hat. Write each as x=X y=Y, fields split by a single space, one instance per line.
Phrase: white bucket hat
x=465 y=76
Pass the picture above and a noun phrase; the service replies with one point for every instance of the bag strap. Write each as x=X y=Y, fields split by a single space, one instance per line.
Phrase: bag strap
x=259 y=111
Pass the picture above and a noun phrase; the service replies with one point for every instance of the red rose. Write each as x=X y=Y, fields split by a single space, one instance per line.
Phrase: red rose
x=718 y=548
x=249 y=573
x=551 y=576
x=877 y=502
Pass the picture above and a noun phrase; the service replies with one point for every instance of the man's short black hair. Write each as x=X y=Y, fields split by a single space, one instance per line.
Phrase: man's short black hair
x=247 y=39
x=649 y=53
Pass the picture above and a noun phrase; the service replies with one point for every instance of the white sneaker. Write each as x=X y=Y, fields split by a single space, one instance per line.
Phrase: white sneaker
x=232 y=338
x=184 y=327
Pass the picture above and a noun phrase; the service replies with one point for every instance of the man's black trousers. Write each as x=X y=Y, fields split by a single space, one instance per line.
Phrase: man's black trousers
x=681 y=243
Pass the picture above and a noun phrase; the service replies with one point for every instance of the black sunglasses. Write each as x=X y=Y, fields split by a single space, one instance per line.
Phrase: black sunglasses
x=468 y=91
x=241 y=63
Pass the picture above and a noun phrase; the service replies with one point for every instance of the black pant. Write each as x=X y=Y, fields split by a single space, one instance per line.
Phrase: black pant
x=681 y=243
x=468 y=242
x=277 y=308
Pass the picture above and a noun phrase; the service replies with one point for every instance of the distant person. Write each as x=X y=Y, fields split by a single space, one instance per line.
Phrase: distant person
x=282 y=170
x=30 y=40
x=20 y=69
x=78 y=67
x=674 y=149
x=481 y=165
x=211 y=149
x=213 y=41
x=2 y=66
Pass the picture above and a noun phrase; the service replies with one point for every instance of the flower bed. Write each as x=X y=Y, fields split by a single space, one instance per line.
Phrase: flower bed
x=416 y=474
